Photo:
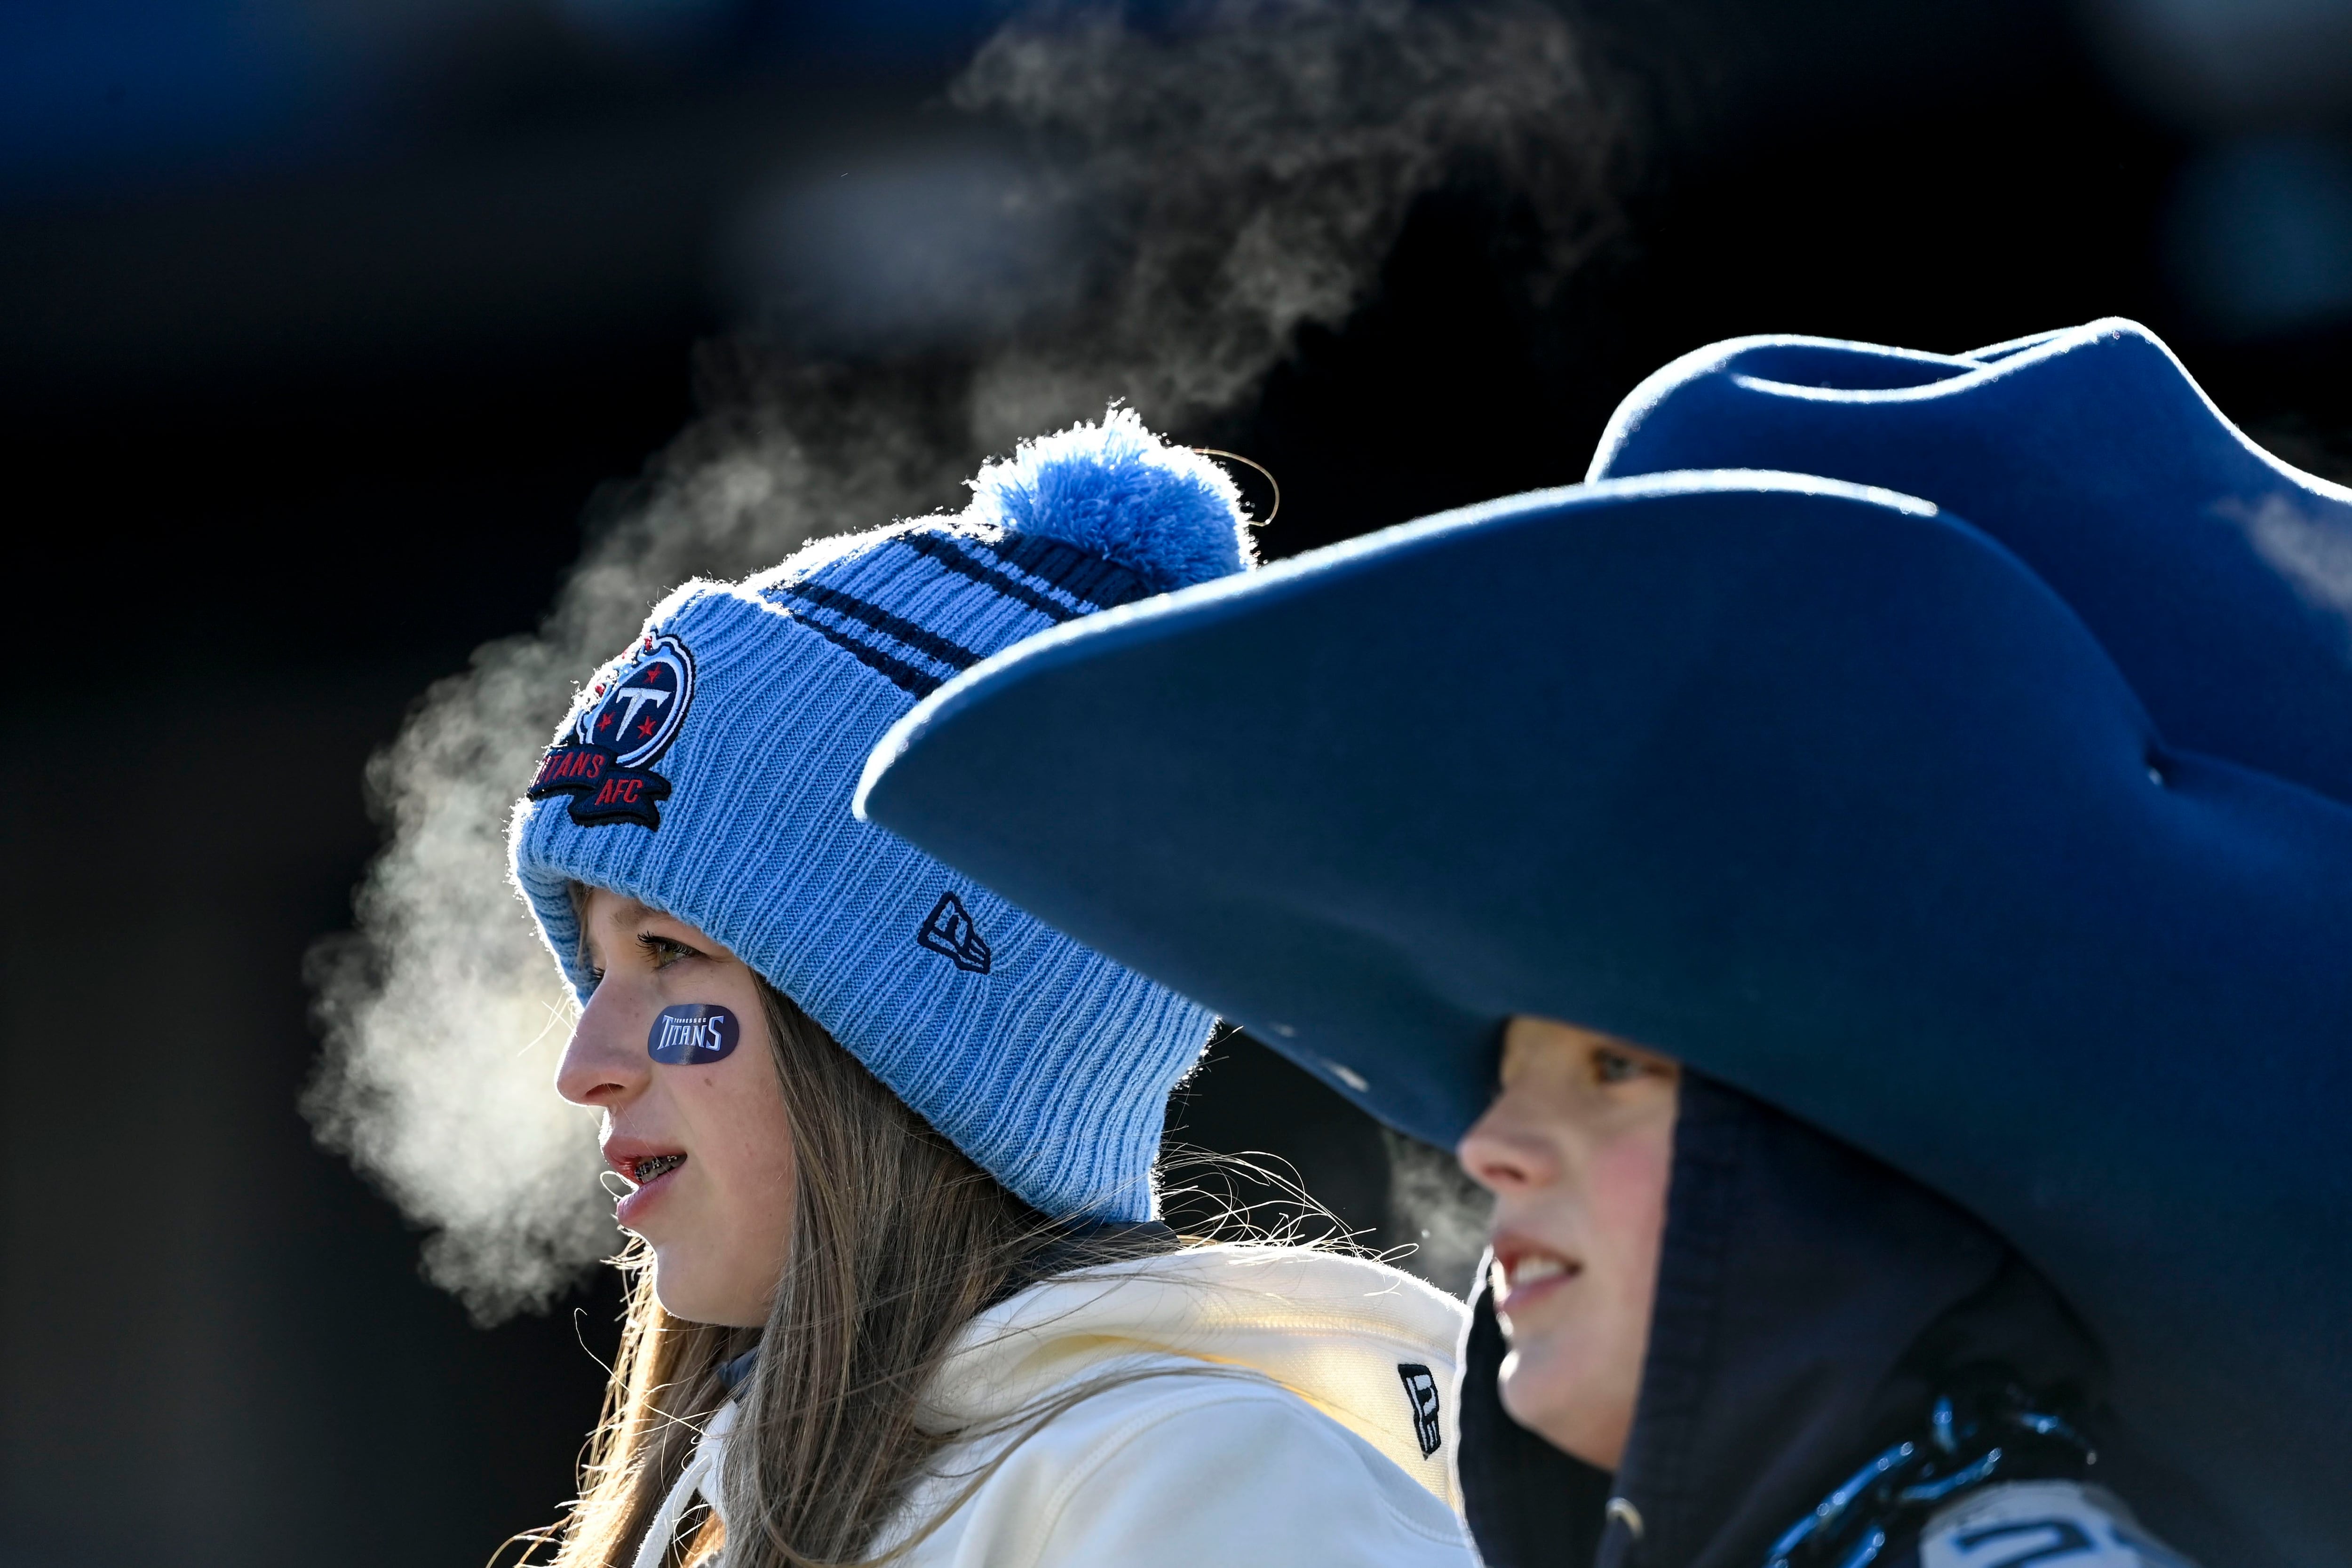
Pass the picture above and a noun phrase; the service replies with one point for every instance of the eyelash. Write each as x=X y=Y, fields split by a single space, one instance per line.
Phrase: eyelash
x=654 y=947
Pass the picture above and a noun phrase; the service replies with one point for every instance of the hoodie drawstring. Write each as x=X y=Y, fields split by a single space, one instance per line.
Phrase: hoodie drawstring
x=701 y=1476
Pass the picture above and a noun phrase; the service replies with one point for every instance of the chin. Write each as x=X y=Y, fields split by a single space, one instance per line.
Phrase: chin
x=694 y=1300
x=1553 y=1396
x=674 y=1288
x=1533 y=1392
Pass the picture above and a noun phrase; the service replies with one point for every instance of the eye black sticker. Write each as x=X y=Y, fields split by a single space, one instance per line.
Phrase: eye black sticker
x=692 y=1034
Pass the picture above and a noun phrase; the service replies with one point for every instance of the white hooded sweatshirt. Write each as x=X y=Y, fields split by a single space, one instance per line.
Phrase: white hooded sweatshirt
x=1294 y=1409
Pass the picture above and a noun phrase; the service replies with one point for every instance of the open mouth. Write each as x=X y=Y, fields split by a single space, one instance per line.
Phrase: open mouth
x=653 y=1167
x=1535 y=1267
x=1522 y=1270
x=645 y=1169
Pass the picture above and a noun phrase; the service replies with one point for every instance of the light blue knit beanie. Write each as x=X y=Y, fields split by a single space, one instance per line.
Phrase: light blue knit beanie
x=708 y=772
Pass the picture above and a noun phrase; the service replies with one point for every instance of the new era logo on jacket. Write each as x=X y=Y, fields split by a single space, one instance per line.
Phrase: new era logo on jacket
x=1420 y=1388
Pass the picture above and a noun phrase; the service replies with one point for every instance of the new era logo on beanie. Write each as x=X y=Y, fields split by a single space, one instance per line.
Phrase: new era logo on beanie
x=949 y=930
x=1047 y=1063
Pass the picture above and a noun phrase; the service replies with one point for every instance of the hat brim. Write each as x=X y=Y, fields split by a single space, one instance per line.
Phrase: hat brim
x=1812 y=787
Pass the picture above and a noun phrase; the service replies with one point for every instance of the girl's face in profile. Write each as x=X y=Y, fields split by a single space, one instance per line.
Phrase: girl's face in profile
x=1576 y=1148
x=707 y=1145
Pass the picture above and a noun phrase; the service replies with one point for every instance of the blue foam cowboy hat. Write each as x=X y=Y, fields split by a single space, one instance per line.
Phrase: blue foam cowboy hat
x=2219 y=578
x=1821 y=789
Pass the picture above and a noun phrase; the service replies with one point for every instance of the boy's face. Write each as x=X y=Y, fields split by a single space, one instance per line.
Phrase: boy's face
x=1576 y=1148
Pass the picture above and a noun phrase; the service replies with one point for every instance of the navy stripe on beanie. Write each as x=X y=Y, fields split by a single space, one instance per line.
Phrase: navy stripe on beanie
x=1044 y=578
x=1080 y=583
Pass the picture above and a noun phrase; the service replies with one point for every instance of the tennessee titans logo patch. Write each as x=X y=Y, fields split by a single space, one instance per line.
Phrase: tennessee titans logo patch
x=605 y=762
x=948 y=931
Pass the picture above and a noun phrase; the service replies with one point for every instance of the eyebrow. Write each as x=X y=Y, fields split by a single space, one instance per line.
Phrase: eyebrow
x=625 y=914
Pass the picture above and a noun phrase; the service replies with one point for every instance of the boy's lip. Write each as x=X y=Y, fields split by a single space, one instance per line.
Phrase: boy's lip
x=1531 y=1271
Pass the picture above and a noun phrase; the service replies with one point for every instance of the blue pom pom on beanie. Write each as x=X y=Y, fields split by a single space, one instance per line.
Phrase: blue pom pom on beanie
x=1109 y=490
x=707 y=771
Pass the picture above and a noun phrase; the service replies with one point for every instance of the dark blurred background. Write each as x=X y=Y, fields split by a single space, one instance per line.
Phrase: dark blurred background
x=324 y=324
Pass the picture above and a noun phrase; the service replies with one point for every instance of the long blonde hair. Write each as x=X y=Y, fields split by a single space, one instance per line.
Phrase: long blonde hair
x=898 y=1240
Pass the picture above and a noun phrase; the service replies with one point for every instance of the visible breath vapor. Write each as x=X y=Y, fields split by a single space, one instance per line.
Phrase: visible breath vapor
x=1245 y=171
x=443 y=1014
x=1437 y=1210
x=1258 y=168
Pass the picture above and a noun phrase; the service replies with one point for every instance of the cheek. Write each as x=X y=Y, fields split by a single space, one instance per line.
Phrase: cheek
x=1629 y=1211
x=1575 y=1373
x=742 y=1135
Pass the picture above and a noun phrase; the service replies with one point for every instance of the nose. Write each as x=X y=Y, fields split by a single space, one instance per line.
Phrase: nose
x=1504 y=1154
x=605 y=1066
